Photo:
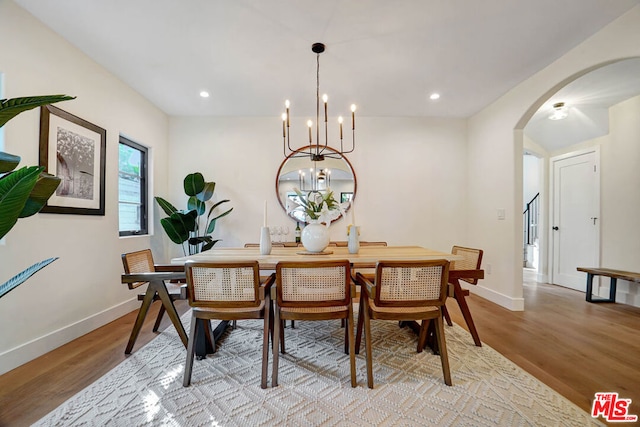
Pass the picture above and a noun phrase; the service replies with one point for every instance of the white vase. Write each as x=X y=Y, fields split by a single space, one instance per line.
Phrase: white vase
x=265 y=241
x=315 y=237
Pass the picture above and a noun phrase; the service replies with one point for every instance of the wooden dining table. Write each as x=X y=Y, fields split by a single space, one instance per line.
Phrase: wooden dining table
x=367 y=257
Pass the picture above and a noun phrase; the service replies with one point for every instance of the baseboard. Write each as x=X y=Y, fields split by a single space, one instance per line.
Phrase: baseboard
x=24 y=353
x=542 y=278
x=510 y=303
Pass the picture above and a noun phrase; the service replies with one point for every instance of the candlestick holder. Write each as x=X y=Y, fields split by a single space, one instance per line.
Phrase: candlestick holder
x=353 y=242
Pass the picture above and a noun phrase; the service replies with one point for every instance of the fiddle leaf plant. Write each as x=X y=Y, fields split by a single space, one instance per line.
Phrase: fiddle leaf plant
x=24 y=191
x=184 y=226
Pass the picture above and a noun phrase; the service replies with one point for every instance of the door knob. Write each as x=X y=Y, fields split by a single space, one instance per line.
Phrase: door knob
x=555 y=228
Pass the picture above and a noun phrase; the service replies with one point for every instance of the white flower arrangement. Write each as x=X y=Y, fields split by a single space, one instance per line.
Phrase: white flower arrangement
x=318 y=207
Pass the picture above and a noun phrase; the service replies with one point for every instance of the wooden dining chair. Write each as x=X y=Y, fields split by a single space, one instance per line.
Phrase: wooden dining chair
x=313 y=290
x=471 y=261
x=227 y=291
x=142 y=262
x=406 y=291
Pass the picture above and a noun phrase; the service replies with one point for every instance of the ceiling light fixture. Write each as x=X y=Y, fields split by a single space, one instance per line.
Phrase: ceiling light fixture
x=204 y=94
x=434 y=96
x=316 y=150
x=559 y=111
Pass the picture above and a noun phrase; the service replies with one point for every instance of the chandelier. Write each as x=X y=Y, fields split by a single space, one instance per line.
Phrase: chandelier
x=317 y=151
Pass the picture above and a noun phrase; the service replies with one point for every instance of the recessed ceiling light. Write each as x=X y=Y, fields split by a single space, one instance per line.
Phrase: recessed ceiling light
x=204 y=94
x=434 y=96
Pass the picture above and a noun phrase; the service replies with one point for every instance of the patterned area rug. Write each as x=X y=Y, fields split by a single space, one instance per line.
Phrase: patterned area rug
x=488 y=389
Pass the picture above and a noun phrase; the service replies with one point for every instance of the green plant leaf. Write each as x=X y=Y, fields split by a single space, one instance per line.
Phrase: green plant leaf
x=8 y=162
x=21 y=277
x=212 y=226
x=193 y=184
x=9 y=108
x=45 y=186
x=209 y=245
x=179 y=225
x=15 y=189
x=207 y=242
x=212 y=223
x=207 y=193
x=167 y=207
x=194 y=204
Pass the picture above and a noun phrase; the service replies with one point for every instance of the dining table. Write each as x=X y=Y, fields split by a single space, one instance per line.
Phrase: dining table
x=367 y=257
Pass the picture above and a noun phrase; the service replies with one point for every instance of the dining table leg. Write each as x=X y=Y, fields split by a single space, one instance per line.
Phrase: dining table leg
x=203 y=344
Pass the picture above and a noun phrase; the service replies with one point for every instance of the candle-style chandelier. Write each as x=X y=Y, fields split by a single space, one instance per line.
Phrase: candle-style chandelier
x=316 y=151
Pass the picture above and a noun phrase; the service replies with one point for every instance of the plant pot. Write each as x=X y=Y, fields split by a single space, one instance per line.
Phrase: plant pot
x=315 y=237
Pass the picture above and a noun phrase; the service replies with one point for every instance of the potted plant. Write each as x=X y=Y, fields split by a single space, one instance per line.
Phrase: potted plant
x=184 y=226
x=23 y=191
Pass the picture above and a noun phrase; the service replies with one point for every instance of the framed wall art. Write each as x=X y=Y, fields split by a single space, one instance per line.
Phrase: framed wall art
x=74 y=150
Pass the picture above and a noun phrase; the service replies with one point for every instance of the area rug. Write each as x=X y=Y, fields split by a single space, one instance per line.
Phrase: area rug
x=315 y=389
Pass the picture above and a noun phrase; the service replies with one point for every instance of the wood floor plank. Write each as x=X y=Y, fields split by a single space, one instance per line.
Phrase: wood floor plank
x=576 y=348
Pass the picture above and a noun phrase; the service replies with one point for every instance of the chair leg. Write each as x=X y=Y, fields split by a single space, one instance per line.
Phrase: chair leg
x=367 y=342
x=142 y=313
x=209 y=331
x=352 y=353
x=293 y=324
x=445 y=313
x=464 y=308
x=265 y=342
x=159 y=318
x=444 y=358
x=276 y=341
x=422 y=337
x=282 y=325
x=360 y=320
x=188 y=366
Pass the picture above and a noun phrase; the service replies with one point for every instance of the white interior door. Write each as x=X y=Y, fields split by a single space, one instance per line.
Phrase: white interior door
x=575 y=223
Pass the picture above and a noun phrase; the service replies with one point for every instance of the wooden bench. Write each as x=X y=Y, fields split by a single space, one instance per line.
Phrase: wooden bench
x=614 y=275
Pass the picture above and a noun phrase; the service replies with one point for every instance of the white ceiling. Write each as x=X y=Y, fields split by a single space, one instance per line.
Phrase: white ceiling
x=587 y=99
x=385 y=56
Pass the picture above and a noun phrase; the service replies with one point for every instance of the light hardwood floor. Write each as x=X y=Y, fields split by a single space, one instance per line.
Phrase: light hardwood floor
x=575 y=347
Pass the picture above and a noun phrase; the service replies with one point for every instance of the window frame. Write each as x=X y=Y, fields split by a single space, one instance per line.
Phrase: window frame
x=144 y=187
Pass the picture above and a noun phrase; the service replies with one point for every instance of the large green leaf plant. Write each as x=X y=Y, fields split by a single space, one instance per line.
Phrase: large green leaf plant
x=184 y=226
x=23 y=191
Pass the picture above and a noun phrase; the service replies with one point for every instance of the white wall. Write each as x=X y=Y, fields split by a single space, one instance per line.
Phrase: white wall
x=410 y=177
x=82 y=289
x=620 y=190
x=495 y=155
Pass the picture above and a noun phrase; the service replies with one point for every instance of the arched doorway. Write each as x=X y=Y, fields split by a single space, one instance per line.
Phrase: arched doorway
x=591 y=98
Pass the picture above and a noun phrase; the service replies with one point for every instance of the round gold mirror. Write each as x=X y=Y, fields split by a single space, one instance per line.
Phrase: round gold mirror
x=298 y=171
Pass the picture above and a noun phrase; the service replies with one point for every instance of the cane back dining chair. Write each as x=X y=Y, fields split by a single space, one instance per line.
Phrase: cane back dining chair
x=471 y=261
x=313 y=290
x=406 y=291
x=142 y=262
x=227 y=291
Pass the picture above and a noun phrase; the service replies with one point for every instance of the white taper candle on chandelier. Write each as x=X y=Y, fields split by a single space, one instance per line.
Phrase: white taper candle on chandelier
x=353 y=116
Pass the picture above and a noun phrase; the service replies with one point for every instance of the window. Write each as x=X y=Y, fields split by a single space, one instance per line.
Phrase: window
x=132 y=188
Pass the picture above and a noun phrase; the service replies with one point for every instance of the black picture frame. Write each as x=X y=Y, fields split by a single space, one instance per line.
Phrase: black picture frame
x=74 y=150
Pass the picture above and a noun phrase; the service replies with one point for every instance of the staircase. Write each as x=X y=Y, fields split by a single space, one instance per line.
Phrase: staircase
x=530 y=218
